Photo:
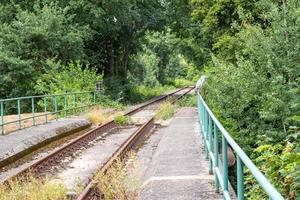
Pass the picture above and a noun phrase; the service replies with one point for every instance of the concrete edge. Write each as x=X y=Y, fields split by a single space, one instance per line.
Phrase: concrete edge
x=27 y=151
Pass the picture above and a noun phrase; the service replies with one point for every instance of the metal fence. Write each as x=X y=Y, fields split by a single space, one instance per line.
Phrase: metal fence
x=56 y=105
x=211 y=130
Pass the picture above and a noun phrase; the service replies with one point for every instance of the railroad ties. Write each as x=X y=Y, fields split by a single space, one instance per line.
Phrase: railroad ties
x=99 y=148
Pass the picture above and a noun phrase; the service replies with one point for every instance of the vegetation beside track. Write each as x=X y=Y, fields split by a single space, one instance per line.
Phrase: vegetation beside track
x=166 y=111
x=32 y=188
x=120 y=181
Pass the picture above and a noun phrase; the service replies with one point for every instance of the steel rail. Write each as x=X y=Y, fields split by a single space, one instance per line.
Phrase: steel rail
x=45 y=164
x=90 y=190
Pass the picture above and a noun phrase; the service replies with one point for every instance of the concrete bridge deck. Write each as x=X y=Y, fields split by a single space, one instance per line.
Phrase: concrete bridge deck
x=178 y=169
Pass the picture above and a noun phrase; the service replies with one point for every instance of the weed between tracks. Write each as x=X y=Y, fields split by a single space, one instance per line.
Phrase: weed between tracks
x=99 y=115
x=31 y=188
x=120 y=181
x=123 y=120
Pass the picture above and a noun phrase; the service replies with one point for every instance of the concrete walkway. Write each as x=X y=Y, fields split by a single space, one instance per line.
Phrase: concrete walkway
x=178 y=169
x=22 y=142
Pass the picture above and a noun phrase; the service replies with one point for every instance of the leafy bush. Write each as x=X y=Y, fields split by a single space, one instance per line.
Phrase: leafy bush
x=60 y=79
x=281 y=164
x=122 y=120
x=28 y=37
x=140 y=93
x=166 y=111
x=107 y=102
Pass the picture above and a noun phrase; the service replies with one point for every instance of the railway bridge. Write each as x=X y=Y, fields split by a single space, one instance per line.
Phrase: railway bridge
x=179 y=158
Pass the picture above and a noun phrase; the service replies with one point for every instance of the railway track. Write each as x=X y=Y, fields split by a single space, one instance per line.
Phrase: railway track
x=43 y=166
x=90 y=192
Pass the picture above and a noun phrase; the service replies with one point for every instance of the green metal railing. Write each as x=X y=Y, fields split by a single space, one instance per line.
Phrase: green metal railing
x=45 y=105
x=211 y=128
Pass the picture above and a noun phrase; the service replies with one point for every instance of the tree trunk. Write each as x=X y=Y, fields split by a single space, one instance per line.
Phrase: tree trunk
x=125 y=59
x=111 y=58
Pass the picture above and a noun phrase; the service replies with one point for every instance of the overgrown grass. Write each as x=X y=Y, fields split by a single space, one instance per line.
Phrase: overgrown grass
x=107 y=102
x=31 y=188
x=144 y=93
x=189 y=100
x=123 y=120
x=180 y=82
x=166 y=111
x=120 y=181
x=98 y=116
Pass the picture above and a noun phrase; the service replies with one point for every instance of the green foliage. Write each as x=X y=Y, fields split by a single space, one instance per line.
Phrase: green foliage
x=257 y=95
x=60 y=79
x=281 y=164
x=122 y=120
x=148 y=63
x=142 y=93
x=189 y=100
x=29 y=38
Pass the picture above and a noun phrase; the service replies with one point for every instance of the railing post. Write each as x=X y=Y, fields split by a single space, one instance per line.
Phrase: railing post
x=19 y=114
x=45 y=109
x=210 y=144
x=33 y=114
x=216 y=153
x=240 y=179
x=2 y=117
x=55 y=107
x=206 y=134
x=225 y=163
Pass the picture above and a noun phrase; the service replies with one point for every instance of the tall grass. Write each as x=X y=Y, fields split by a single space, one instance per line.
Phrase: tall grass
x=166 y=111
x=142 y=93
x=31 y=188
x=120 y=181
x=189 y=100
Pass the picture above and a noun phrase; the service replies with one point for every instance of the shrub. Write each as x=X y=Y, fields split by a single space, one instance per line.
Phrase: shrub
x=140 y=93
x=122 y=120
x=166 y=111
x=72 y=78
x=180 y=82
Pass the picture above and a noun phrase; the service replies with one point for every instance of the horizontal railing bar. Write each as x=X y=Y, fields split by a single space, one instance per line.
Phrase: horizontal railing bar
x=47 y=95
x=43 y=115
x=259 y=176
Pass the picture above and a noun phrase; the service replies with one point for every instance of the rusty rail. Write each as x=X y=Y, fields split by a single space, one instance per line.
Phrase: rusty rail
x=90 y=190
x=44 y=165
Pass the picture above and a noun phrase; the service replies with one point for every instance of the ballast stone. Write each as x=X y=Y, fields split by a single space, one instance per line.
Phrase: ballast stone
x=22 y=142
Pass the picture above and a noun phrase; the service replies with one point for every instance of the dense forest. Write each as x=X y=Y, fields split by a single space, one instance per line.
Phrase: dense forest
x=248 y=49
